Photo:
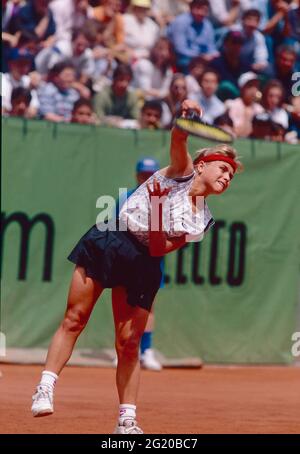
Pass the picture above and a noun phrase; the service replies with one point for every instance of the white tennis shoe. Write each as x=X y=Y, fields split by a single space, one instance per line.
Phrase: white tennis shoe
x=149 y=362
x=128 y=427
x=42 y=402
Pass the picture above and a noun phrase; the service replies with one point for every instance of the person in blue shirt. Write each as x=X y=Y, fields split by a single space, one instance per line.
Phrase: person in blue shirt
x=145 y=168
x=37 y=17
x=192 y=34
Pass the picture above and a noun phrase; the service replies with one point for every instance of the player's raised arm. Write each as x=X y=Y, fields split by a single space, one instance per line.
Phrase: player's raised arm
x=181 y=163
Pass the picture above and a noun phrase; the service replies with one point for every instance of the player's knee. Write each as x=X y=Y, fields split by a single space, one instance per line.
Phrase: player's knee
x=75 y=319
x=128 y=346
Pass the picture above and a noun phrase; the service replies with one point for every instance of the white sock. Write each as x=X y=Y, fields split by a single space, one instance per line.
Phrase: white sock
x=48 y=379
x=126 y=411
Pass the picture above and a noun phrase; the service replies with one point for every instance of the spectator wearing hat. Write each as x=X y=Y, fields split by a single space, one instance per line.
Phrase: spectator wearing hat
x=207 y=99
x=229 y=65
x=254 y=49
x=242 y=110
x=117 y=101
x=145 y=168
x=192 y=35
x=19 y=66
x=272 y=101
x=141 y=32
x=57 y=97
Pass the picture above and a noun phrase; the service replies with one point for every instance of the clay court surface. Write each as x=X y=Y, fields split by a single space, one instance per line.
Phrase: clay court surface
x=209 y=400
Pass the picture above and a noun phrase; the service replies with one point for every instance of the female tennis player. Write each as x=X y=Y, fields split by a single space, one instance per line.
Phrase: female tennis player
x=128 y=261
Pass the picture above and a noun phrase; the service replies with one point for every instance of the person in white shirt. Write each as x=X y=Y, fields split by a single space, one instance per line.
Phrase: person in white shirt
x=19 y=64
x=154 y=75
x=141 y=32
x=242 y=110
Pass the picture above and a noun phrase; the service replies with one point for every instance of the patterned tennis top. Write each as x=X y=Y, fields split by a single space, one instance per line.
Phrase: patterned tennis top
x=178 y=216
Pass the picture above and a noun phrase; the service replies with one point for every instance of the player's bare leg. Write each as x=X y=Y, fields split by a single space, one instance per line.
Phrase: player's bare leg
x=130 y=324
x=82 y=297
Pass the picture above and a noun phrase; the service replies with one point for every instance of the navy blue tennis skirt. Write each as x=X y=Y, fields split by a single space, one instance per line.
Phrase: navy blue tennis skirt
x=116 y=258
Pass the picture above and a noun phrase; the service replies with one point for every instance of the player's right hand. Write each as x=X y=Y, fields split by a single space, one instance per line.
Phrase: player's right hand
x=190 y=105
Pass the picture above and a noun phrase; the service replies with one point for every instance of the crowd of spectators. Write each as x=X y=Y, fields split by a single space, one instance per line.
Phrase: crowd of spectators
x=130 y=63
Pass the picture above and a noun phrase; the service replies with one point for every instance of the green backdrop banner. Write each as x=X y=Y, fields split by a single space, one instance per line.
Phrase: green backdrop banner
x=230 y=299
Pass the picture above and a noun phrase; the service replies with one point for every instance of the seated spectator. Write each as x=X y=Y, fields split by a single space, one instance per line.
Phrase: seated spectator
x=153 y=76
x=272 y=101
x=105 y=59
x=69 y=15
x=261 y=5
x=78 y=52
x=19 y=65
x=151 y=114
x=196 y=68
x=294 y=118
x=20 y=102
x=294 y=20
x=254 y=50
x=141 y=32
x=192 y=35
x=264 y=128
x=225 y=13
x=284 y=68
x=57 y=97
x=164 y=11
x=229 y=65
x=149 y=118
x=293 y=30
x=212 y=106
x=117 y=101
x=171 y=104
x=10 y=11
x=37 y=17
x=83 y=112
x=277 y=25
x=108 y=13
x=224 y=122
x=243 y=109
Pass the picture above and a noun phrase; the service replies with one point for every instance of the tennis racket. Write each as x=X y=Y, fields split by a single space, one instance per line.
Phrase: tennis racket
x=192 y=124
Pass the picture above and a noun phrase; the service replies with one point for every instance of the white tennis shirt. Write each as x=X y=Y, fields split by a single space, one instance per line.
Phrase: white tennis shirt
x=178 y=216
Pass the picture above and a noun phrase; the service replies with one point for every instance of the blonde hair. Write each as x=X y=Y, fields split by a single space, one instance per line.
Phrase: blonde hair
x=222 y=149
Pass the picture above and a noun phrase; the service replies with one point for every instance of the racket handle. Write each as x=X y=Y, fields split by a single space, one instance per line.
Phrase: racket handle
x=193 y=115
